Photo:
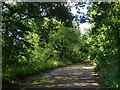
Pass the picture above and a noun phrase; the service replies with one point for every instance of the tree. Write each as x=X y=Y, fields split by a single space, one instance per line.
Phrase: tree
x=17 y=19
x=105 y=34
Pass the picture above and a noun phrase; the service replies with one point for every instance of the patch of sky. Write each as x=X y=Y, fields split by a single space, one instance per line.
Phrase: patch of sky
x=80 y=15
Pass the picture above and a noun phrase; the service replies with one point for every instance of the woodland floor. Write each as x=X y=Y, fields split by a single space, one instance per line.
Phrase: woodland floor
x=80 y=75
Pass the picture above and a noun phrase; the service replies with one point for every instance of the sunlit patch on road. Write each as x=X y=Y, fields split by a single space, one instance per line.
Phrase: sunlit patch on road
x=88 y=67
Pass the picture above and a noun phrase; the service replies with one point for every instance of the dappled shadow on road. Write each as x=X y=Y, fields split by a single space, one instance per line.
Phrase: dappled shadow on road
x=80 y=75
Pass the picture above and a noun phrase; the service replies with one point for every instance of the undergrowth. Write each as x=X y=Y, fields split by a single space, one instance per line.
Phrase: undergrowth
x=22 y=71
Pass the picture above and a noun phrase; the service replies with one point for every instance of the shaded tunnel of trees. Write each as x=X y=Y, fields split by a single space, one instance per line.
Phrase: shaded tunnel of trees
x=40 y=36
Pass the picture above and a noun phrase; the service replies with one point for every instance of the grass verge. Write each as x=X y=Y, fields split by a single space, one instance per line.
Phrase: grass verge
x=15 y=73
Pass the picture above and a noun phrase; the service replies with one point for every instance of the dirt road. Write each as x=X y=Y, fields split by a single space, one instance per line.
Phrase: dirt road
x=80 y=75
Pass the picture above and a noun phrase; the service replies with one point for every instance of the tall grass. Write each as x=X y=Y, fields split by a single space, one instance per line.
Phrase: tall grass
x=22 y=71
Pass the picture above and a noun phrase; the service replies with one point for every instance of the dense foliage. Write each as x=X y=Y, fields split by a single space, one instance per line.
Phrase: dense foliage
x=104 y=41
x=39 y=35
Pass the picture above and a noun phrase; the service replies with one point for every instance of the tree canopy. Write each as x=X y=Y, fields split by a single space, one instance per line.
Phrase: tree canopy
x=104 y=40
x=43 y=35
